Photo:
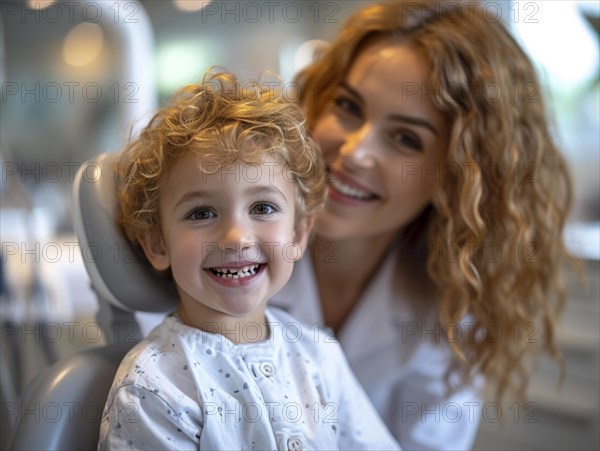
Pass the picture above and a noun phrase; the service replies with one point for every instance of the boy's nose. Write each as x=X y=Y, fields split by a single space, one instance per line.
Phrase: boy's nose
x=236 y=237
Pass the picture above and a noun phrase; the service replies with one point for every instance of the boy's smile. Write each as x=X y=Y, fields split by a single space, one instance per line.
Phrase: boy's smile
x=236 y=275
x=228 y=237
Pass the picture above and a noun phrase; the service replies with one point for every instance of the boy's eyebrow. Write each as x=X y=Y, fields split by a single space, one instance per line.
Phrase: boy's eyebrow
x=260 y=189
x=256 y=189
x=191 y=195
x=397 y=117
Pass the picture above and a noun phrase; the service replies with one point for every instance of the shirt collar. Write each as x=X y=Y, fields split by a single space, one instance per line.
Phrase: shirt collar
x=206 y=341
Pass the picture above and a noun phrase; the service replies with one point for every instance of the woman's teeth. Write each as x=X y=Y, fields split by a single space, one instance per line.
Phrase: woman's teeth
x=350 y=191
x=239 y=273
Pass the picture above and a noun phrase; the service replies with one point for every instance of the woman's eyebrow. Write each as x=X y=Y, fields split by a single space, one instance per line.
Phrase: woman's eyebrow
x=344 y=85
x=414 y=121
x=397 y=117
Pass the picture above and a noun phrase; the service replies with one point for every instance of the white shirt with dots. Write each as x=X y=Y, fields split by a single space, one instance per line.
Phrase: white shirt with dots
x=183 y=388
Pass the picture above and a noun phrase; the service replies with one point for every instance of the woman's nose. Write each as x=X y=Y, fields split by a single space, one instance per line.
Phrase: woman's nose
x=359 y=147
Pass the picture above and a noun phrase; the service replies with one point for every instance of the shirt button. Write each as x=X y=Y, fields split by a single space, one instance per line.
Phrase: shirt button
x=267 y=369
x=294 y=444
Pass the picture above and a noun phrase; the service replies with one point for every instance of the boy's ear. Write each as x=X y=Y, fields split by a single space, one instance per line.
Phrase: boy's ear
x=302 y=233
x=155 y=250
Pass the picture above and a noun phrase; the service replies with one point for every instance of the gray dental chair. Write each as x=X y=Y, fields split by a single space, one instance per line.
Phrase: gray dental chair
x=62 y=407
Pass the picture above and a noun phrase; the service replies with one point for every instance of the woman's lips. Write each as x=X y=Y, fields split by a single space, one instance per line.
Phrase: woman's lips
x=345 y=190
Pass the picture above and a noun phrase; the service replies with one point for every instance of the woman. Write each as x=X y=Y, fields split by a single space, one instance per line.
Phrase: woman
x=436 y=261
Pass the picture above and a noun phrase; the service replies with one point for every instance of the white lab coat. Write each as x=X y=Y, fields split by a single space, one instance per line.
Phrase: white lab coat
x=400 y=357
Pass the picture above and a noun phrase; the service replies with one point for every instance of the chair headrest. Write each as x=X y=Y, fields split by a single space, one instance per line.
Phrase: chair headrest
x=118 y=275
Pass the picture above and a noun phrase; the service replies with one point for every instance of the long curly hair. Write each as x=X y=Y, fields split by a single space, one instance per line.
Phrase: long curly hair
x=491 y=240
x=222 y=120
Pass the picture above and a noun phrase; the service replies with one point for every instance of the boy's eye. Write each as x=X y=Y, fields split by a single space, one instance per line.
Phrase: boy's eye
x=347 y=105
x=201 y=214
x=263 y=208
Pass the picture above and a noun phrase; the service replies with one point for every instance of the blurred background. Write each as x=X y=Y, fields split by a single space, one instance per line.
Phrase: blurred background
x=77 y=77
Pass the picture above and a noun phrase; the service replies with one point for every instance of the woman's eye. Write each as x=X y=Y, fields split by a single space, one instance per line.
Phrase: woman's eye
x=407 y=139
x=347 y=105
x=263 y=209
x=201 y=214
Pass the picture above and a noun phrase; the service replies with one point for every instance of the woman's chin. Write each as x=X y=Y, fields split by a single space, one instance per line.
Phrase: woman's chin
x=331 y=228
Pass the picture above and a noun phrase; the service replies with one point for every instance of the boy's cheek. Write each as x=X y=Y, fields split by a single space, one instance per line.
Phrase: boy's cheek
x=190 y=251
x=286 y=251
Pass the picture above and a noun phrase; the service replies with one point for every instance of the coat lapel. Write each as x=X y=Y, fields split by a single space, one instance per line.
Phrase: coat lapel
x=374 y=322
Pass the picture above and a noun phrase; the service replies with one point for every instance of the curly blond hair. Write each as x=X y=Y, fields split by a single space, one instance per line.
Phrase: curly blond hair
x=491 y=240
x=222 y=120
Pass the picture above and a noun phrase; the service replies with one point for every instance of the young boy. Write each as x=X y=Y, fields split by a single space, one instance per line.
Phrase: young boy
x=220 y=191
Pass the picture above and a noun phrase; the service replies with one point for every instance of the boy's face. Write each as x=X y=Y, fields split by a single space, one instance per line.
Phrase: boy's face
x=229 y=237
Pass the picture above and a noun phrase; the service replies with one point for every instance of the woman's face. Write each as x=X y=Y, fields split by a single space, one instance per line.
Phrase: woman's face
x=384 y=141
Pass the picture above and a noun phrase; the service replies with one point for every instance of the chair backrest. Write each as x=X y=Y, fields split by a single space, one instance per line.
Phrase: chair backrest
x=62 y=407
x=123 y=282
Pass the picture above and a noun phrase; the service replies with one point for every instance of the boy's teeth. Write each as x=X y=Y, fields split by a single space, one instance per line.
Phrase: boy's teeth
x=240 y=273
